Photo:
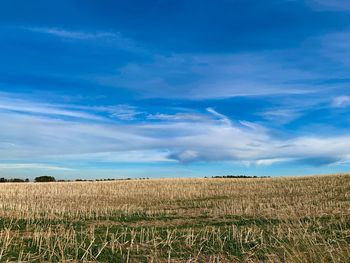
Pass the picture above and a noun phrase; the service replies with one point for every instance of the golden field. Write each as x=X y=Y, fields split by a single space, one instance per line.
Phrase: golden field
x=294 y=219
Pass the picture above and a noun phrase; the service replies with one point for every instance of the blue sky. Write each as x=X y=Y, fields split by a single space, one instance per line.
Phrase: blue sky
x=96 y=89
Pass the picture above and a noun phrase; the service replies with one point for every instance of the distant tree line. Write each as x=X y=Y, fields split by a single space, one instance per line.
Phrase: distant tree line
x=45 y=179
x=238 y=176
x=37 y=179
x=13 y=180
x=52 y=179
x=104 y=180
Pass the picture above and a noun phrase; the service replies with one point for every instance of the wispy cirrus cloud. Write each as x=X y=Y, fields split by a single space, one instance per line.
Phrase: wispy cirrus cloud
x=180 y=116
x=64 y=33
x=330 y=4
x=334 y=46
x=214 y=138
x=222 y=117
x=125 y=112
x=210 y=76
x=282 y=115
x=17 y=104
x=34 y=166
x=20 y=105
x=117 y=39
x=341 y=102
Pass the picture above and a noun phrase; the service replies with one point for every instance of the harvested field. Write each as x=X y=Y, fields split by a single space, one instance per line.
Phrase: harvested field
x=299 y=219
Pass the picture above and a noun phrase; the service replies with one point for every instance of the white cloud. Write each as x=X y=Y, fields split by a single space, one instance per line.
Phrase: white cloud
x=70 y=34
x=42 y=109
x=35 y=166
x=222 y=117
x=116 y=38
x=178 y=117
x=124 y=112
x=272 y=161
x=24 y=136
x=330 y=4
x=282 y=115
x=215 y=76
x=132 y=156
x=341 y=102
x=335 y=47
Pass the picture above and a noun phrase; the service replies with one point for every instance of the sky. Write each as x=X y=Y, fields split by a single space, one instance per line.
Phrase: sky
x=115 y=89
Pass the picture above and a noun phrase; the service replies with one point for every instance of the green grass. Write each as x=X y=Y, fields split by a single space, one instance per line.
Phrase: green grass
x=200 y=238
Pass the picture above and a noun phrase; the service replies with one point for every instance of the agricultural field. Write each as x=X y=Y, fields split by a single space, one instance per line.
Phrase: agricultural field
x=295 y=219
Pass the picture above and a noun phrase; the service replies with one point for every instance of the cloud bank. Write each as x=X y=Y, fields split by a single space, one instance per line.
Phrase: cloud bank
x=32 y=131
